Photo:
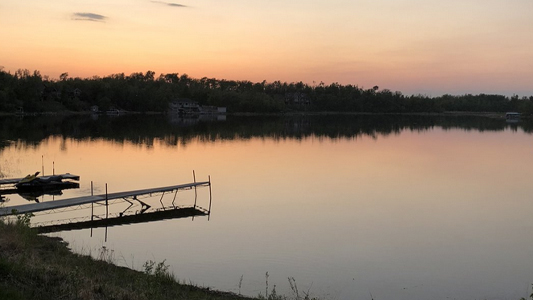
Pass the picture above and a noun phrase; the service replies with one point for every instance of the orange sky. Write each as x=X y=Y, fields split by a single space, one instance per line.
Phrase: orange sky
x=413 y=46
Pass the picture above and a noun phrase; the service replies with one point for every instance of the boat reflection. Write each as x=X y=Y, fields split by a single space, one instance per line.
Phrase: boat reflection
x=32 y=187
x=34 y=196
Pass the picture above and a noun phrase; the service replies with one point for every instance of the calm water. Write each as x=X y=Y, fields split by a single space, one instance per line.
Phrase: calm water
x=351 y=207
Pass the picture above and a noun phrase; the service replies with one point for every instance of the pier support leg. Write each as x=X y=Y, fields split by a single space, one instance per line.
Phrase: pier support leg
x=210 y=197
x=195 y=191
x=106 y=203
x=175 y=195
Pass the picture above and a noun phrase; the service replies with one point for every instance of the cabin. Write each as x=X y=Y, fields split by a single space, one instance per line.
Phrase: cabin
x=184 y=106
x=50 y=93
x=512 y=116
x=74 y=93
x=188 y=106
x=213 y=110
x=297 y=99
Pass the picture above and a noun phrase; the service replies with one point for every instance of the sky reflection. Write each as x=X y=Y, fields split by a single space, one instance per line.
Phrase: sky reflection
x=417 y=214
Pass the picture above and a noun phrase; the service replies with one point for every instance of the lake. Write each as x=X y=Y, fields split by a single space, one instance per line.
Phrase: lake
x=347 y=206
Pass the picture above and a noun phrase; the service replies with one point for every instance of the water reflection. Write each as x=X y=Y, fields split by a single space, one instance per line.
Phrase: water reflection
x=125 y=219
x=121 y=208
x=33 y=187
x=35 y=195
x=173 y=130
x=403 y=207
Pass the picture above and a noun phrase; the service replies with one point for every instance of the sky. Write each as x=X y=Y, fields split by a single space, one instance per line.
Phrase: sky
x=423 y=47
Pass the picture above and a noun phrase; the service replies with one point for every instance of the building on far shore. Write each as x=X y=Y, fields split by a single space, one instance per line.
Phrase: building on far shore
x=188 y=106
x=512 y=117
x=297 y=98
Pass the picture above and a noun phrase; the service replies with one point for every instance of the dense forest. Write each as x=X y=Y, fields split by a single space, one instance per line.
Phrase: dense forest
x=145 y=92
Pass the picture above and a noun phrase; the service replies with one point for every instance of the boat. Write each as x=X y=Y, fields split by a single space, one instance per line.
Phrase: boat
x=33 y=182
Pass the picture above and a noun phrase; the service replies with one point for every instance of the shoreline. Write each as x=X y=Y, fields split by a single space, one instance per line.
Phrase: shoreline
x=34 y=266
x=281 y=114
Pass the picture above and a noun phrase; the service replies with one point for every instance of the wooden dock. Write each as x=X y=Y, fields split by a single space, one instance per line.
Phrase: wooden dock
x=50 y=205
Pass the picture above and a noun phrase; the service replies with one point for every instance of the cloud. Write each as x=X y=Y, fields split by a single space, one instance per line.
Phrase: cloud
x=88 y=17
x=169 y=3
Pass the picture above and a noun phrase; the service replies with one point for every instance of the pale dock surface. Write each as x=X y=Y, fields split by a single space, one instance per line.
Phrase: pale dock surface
x=36 y=207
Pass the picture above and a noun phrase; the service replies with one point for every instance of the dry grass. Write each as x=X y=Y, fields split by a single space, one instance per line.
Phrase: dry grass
x=40 y=267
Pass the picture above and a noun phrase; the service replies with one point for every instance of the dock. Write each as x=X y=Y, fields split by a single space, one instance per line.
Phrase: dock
x=51 y=205
x=62 y=176
x=48 y=184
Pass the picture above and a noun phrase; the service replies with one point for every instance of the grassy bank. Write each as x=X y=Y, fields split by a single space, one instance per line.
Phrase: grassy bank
x=39 y=267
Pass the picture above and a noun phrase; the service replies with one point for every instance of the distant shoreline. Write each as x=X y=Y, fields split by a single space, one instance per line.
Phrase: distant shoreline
x=496 y=115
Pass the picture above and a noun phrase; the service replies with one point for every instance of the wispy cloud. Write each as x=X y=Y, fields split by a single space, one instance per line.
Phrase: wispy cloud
x=88 y=17
x=169 y=3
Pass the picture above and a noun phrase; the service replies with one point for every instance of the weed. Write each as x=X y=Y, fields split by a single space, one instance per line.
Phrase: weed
x=294 y=287
x=148 y=267
x=240 y=284
x=272 y=296
x=20 y=224
x=273 y=293
x=159 y=271
x=530 y=296
x=106 y=255
x=266 y=289
x=23 y=220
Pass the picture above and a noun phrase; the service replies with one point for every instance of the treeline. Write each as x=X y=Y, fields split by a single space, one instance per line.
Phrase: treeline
x=144 y=92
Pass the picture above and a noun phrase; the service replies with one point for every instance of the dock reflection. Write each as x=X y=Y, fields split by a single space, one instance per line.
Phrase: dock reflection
x=136 y=210
x=123 y=219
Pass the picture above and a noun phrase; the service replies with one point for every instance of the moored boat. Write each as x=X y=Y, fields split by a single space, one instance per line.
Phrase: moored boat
x=33 y=182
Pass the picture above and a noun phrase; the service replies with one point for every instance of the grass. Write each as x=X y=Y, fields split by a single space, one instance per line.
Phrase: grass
x=40 y=267
x=273 y=295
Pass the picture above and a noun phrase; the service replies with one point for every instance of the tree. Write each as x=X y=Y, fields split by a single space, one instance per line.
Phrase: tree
x=63 y=76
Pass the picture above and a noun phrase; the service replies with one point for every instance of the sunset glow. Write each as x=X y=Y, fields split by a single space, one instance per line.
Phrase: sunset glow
x=412 y=46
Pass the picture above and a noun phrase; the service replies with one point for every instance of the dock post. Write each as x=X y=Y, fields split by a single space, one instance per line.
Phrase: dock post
x=195 y=192
x=106 y=211
x=92 y=203
x=106 y=203
x=92 y=209
x=210 y=197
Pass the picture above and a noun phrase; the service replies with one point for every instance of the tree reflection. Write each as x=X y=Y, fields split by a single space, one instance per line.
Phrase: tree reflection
x=146 y=129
